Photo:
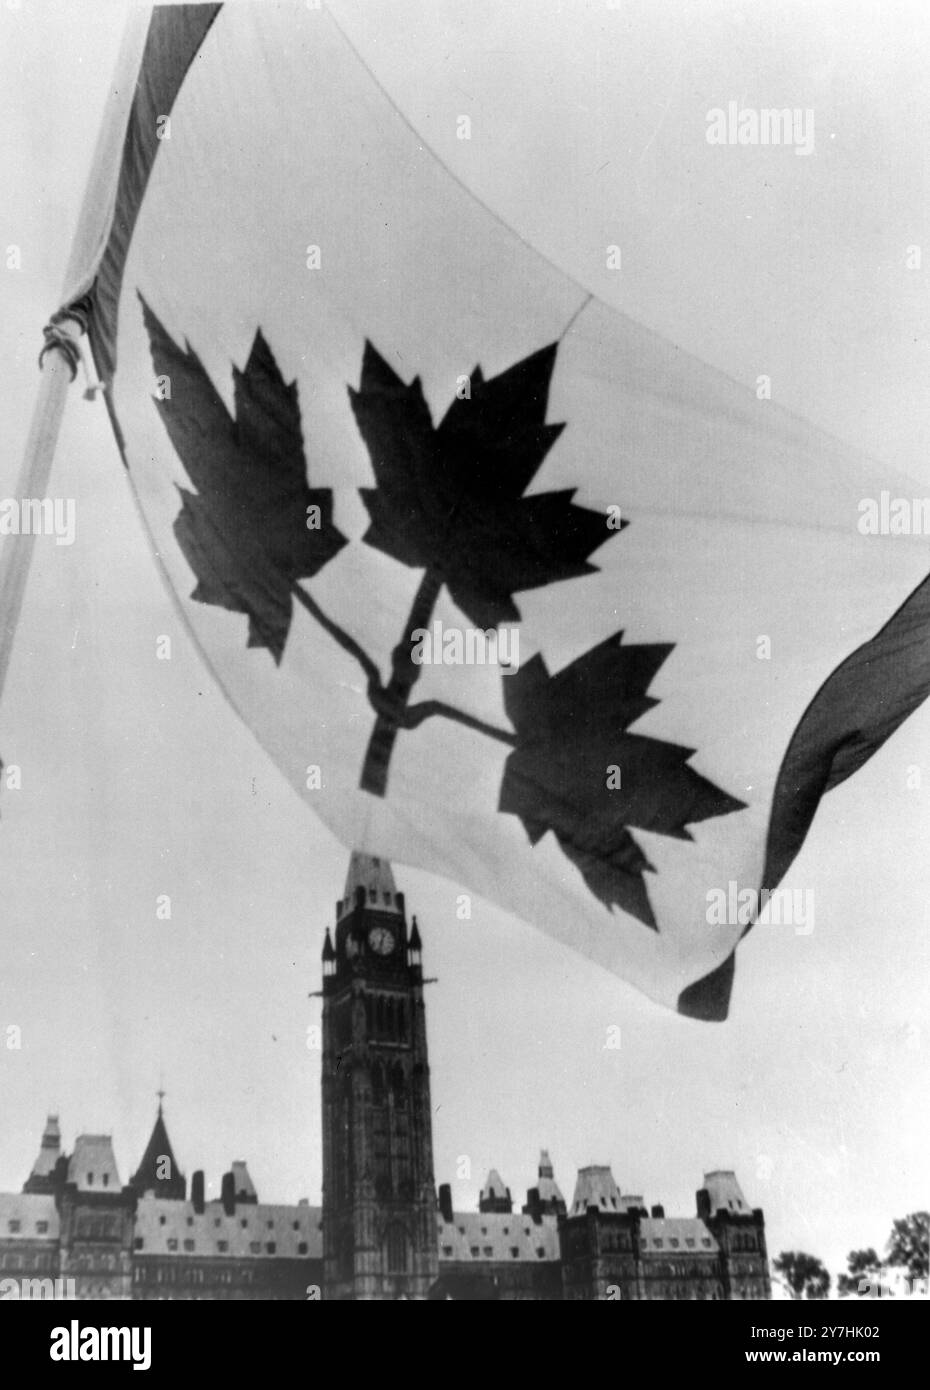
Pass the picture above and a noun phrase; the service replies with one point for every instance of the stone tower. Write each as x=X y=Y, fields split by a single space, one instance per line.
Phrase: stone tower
x=379 y=1200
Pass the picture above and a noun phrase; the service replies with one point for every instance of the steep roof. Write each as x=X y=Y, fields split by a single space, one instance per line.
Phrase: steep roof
x=494 y=1186
x=158 y=1171
x=93 y=1164
x=376 y=877
x=482 y=1236
x=724 y=1191
x=243 y=1186
x=595 y=1187
x=27 y=1216
x=49 y=1149
x=261 y=1231
x=683 y=1235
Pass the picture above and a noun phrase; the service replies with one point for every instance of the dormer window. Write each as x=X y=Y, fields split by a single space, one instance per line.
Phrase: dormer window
x=90 y=1181
x=106 y=1179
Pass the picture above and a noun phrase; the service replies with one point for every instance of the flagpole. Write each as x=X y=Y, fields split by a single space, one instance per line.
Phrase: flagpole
x=61 y=356
x=58 y=362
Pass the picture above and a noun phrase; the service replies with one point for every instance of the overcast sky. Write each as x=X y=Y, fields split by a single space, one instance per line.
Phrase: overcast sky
x=138 y=779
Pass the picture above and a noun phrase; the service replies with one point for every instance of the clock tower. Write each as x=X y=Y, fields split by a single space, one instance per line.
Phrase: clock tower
x=379 y=1198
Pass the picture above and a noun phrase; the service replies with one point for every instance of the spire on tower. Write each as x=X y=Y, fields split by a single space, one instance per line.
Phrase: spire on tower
x=42 y=1177
x=158 y=1173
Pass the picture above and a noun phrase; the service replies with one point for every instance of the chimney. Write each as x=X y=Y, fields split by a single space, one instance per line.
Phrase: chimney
x=658 y=1212
x=197 y=1192
x=445 y=1202
x=228 y=1194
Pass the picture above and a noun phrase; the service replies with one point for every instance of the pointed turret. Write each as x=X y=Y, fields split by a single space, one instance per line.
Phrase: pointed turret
x=158 y=1173
x=494 y=1195
x=551 y=1201
x=46 y=1170
x=415 y=945
x=329 y=954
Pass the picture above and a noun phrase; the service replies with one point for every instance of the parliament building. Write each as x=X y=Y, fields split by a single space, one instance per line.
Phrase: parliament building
x=383 y=1232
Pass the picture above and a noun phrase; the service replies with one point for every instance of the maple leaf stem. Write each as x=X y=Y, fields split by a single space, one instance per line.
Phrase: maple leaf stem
x=426 y=708
x=347 y=643
x=390 y=702
x=392 y=708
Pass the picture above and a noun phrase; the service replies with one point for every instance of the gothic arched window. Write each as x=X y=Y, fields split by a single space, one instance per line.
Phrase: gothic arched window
x=377 y=1084
x=396 y=1248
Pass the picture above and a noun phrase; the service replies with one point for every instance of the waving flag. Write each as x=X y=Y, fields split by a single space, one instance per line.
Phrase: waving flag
x=485 y=566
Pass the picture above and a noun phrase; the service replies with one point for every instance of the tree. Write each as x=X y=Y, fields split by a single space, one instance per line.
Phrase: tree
x=862 y=1264
x=804 y=1274
x=909 y=1243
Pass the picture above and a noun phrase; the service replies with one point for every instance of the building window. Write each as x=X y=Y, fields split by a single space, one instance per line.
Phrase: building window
x=514 y=1251
x=106 y=1179
x=216 y=1221
x=222 y=1246
x=396 y=1248
x=14 y=1227
x=255 y=1246
x=673 y=1243
x=705 y=1242
x=541 y=1252
x=475 y=1252
x=190 y=1221
x=658 y=1243
x=689 y=1242
x=447 y=1250
x=373 y=895
x=90 y=1181
x=270 y=1225
x=296 y=1225
x=270 y=1248
x=162 y=1220
x=302 y=1248
x=41 y=1227
x=188 y=1245
x=139 y=1242
x=244 y=1222
x=172 y=1244
x=489 y=1249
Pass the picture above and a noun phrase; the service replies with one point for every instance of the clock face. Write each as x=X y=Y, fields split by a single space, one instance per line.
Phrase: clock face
x=381 y=939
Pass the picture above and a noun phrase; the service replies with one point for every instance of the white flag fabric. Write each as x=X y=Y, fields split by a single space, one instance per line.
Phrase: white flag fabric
x=486 y=567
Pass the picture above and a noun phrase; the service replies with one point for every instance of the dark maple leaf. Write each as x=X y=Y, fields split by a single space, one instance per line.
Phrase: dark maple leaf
x=571 y=727
x=244 y=532
x=450 y=499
